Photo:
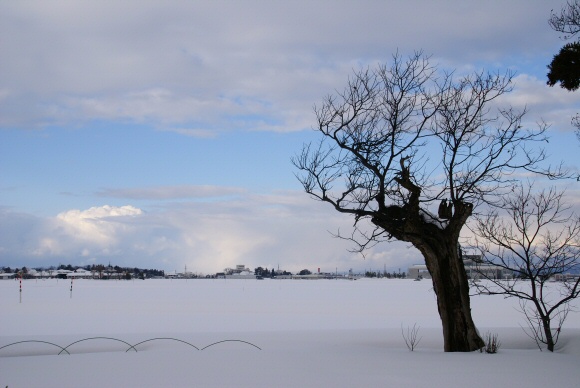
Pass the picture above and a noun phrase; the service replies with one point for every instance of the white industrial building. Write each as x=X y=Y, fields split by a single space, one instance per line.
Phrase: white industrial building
x=474 y=267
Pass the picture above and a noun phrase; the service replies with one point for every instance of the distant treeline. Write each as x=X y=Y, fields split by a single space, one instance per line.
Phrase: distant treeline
x=388 y=275
x=100 y=270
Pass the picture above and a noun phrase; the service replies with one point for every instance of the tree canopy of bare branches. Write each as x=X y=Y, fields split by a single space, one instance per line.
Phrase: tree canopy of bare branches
x=568 y=20
x=404 y=137
x=536 y=240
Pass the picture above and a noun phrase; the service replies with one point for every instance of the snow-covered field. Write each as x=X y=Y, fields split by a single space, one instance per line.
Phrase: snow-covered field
x=260 y=333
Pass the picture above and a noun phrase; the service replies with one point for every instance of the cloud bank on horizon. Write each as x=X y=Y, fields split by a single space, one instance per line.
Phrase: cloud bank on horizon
x=158 y=134
x=257 y=231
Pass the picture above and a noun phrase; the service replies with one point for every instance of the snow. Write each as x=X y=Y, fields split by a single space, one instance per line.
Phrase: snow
x=432 y=219
x=311 y=333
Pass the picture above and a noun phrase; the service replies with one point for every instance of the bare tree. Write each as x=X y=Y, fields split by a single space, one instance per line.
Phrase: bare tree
x=411 y=337
x=568 y=20
x=537 y=239
x=404 y=137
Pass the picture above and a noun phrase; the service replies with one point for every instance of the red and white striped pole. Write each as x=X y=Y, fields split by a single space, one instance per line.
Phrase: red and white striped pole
x=20 y=288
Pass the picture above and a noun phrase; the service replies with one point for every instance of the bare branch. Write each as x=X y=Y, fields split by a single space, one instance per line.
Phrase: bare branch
x=537 y=242
x=567 y=21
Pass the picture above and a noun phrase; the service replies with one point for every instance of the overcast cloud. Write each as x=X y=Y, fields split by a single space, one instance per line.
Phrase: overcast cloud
x=203 y=63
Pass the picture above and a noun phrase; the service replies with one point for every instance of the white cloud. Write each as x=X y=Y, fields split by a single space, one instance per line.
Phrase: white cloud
x=97 y=224
x=281 y=229
x=47 y=247
x=554 y=105
x=98 y=212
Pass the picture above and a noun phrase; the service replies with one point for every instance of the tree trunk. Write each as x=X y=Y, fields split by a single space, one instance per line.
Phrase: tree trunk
x=439 y=244
x=548 y=333
x=451 y=287
x=440 y=248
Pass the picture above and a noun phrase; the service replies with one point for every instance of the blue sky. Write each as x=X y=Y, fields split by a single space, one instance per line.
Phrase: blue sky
x=159 y=133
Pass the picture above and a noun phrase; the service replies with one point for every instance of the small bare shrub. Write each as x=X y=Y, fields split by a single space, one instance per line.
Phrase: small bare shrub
x=492 y=343
x=411 y=336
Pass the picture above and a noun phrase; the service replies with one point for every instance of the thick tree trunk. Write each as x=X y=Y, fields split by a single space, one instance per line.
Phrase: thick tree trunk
x=451 y=287
x=440 y=248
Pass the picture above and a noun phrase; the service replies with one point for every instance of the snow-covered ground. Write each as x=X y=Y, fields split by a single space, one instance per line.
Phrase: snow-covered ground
x=260 y=333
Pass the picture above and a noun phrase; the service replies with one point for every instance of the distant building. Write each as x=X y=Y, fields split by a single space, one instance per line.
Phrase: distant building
x=474 y=267
x=80 y=273
x=477 y=269
x=240 y=272
x=239 y=269
x=565 y=277
x=6 y=275
x=418 y=271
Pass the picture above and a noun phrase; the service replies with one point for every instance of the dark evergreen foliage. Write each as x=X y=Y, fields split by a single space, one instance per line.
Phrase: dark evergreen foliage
x=565 y=67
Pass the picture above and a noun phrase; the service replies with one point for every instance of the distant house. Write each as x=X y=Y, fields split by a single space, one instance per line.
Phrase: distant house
x=42 y=274
x=6 y=275
x=80 y=273
x=62 y=273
